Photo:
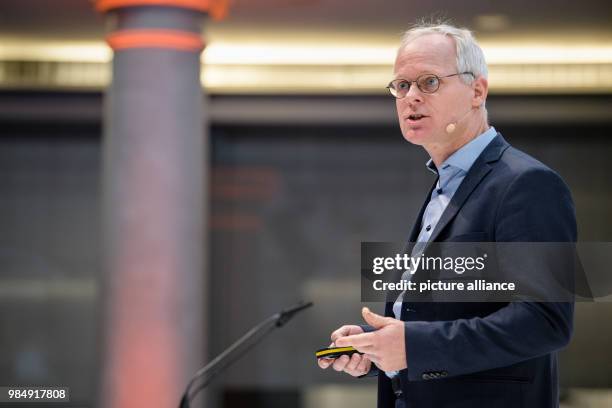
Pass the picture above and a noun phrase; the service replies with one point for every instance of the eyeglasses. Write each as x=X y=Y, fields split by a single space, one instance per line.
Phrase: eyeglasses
x=428 y=83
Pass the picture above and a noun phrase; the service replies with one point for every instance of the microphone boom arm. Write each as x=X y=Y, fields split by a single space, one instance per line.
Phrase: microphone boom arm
x=233 y=352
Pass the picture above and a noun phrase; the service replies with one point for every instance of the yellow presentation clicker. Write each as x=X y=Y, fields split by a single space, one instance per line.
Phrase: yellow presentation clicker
x=335 y=352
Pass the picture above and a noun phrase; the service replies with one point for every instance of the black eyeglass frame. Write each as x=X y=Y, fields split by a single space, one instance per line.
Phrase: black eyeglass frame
x=416 y=81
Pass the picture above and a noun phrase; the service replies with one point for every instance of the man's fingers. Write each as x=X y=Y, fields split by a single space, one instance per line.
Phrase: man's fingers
x=325 y=362
x=355 y=365
x=353 y=362
x=350 y=336
x=375 y=320
x=364 y=365
x=346 y=330
x=356 y=340
x=341 y=332
x=340 y=363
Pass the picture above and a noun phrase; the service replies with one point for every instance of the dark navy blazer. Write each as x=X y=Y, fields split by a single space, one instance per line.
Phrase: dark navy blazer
x=493 y=355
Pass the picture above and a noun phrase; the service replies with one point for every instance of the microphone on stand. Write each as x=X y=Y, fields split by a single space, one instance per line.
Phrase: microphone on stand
x=450 y=128
x=237 y=350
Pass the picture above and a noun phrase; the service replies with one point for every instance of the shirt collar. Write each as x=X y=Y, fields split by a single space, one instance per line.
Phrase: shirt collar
x=468 y=153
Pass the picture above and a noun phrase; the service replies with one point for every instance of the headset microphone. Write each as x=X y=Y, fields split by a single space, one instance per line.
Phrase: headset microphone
x=450 y=128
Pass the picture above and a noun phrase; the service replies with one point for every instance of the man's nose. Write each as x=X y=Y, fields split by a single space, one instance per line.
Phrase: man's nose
x=413 y=98
x=414 y=94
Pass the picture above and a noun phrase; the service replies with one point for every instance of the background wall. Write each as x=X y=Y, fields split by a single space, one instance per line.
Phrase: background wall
x=291 y=202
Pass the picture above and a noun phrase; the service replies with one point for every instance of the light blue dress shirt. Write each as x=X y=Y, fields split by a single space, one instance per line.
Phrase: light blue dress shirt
x=450 y=175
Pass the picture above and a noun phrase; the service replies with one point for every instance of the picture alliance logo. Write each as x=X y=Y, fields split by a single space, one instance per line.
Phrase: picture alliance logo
x=405 y=262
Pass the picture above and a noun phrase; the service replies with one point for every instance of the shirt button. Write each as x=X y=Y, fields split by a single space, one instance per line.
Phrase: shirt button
x=427 y=228
x=439 y=191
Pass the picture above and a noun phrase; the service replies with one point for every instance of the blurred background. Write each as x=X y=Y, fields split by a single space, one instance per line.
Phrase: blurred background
x=305 y=160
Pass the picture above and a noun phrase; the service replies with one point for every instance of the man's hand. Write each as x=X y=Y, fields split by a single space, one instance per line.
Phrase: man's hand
x=386 y=347
x=357 y=364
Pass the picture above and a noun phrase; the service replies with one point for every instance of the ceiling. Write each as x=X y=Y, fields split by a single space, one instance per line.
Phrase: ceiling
x=333 y=46
x=519 y=19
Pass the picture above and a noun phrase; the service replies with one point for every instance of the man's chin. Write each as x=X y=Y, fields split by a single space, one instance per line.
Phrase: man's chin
x=417 y=136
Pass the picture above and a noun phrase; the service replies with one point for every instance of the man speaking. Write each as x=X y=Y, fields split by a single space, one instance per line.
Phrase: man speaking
x=465 y=355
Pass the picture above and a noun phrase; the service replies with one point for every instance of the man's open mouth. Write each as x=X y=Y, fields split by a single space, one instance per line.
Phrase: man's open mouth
x=416 y=117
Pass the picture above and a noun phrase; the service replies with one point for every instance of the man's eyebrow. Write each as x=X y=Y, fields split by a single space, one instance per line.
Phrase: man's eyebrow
x=425 y=72
x=428 y=72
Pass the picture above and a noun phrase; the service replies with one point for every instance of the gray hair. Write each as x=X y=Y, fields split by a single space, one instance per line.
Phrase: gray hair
x=470 y=57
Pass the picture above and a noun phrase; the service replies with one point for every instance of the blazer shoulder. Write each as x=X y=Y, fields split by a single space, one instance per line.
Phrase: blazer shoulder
x=518 y=164
x=516 y=172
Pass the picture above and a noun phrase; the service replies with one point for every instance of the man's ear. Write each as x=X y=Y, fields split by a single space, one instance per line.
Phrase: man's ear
x=480 y=86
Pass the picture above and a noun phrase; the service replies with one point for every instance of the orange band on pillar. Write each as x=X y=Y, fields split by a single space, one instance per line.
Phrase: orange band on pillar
x=216 y=8
x=171 y=39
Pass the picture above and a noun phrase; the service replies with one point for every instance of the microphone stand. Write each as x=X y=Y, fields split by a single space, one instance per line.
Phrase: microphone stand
x=237 y=350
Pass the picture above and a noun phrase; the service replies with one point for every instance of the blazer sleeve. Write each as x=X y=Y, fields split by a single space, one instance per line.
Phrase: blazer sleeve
x=536 y=207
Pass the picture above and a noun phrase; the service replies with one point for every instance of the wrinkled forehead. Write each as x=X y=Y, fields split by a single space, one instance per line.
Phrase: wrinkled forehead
x=433 y=53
